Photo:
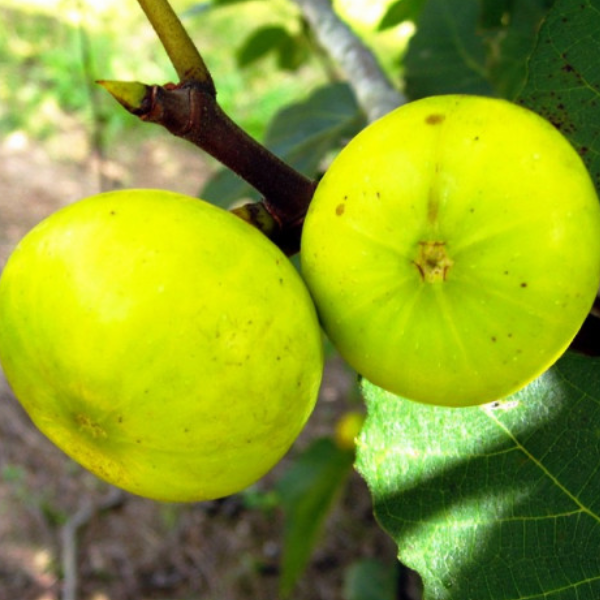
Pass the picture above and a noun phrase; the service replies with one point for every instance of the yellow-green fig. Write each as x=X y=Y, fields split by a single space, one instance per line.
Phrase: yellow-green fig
x=161 y=342
x=453 y=249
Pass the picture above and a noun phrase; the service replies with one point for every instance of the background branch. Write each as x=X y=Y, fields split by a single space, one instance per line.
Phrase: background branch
x=114 y=498
x=374 y=91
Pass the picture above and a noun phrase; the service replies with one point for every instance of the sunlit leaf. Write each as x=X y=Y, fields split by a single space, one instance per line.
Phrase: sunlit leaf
x=499 y=502
x=400 y=11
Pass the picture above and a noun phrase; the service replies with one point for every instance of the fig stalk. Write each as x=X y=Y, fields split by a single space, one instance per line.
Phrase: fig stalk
x=182 y=52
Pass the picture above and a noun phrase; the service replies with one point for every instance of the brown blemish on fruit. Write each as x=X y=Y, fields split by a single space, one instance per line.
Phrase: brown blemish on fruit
x=435 y=119
x=90 y=427
x=339 y=210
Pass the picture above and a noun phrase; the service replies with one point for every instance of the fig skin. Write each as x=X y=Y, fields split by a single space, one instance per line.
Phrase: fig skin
x=161 y=342
x=453 y=249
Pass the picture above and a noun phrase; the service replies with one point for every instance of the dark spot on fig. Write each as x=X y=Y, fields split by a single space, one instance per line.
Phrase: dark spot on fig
x=493 y=338
x=435 y=119
x=524 y=285
x=339 y=210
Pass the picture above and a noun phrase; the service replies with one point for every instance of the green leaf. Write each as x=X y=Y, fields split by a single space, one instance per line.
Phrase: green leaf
x=302 y=134
x=494 y=12
x=495 y=502
x=202 y=7
x=563 y=82
x=446 y=55
x=261 y=42
x=370 y=579
x=400 y=11
x=225 y=188
x=510 y=43
x=473 y=46
x=307 y=490
x=292 y=53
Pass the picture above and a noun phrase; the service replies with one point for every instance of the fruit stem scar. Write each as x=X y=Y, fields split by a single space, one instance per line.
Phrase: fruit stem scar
x=433 y=262
x=90 y=427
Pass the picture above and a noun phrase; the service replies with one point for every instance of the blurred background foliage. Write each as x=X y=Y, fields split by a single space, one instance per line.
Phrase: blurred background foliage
x=52 y=50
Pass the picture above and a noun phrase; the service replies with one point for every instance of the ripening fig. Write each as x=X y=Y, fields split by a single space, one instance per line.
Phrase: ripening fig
x=453 y=249
x=161 y=342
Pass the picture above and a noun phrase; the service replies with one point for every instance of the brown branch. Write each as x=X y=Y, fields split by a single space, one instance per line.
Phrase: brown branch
x=191 y=112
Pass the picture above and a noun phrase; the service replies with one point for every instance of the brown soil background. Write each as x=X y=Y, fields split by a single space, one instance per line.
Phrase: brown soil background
x=129 y=548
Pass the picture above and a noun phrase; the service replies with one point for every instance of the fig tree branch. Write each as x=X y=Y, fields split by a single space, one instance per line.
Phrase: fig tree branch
x=71 y=528
x=191 y=112
x=373 y=90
